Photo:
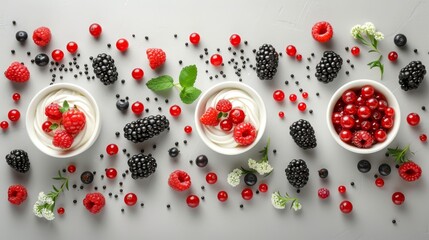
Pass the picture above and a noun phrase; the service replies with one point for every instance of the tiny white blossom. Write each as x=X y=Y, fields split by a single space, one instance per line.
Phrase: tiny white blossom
x=356 y=30
x=36 y=210
x=252 y=163
x=48 y=214
x=261 y=167
x=49 y=201
x=296 y=206
x=369 y=28
x=42 y=198
x=379 y=36
x=234 y=177
x=278 y=201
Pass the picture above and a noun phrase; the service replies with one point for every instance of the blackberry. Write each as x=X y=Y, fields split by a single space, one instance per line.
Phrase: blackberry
x=303 y=134
x=141 y=166
x=297 y=173
x=412 y=75
x=145 y=128
x=267 y=60
x=328 y=67
x=105 y=69
x=18 y=160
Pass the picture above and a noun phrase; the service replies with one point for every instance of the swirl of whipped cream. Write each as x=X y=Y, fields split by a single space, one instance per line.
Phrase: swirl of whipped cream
x=239 y=99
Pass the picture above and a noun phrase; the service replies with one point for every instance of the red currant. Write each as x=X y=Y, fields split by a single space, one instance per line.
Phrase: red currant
x=226 y=125
x=130 y=199
x=14 y=115
x=292 y=97
x=298 y=57
x=390 y=112
x=278 y=95
x=342 y=189
x=175 y=110
x=57 y=55
x=194 y=38
x=46 y=126
x=211 y=178
x=111 y=173
x=349 y=97
x=379 y=182
x=372 y=103
x=188 y=129
x=193 y=201
x=247 y=194
x=367 y=91
x=413 y=119
x=398 y=198
x=137 y=108
x=392 y=56
x=4 y=125
x=387 y=122
x=347 y=121
x=365 y=125
x=364 y=112
x=346 y=135
x=60 y=211
x=216 y=59
x=263 y=187
x=137 y=73
x=302 y=106
x=235 y=39
x=382 y=105
x=323 y=193
x=423 y=137
x=305 y=95
x=16 y=97
x=350 y=109
x=95 y=30
x=355 y=51
x=112 y=149
x=281 y=114
x=346 y=207
x=360 y=101
x=72 y=47
x=236 y=116
x=376 y=115
x=122 y=44
x=222 y=196
x=336 y=118
x=291 y=50
x=380 y=135
x=71 y=168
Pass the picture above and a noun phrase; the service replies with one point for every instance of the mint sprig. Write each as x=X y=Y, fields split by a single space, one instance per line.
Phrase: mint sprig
x=65 y=107
x=188 y=76
x=400 y=154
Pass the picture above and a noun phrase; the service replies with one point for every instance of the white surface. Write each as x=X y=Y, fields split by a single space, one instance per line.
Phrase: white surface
x=277 y=22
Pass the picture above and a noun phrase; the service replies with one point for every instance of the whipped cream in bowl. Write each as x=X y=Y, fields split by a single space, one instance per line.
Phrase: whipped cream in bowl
x=242 y=97
x=75 y=96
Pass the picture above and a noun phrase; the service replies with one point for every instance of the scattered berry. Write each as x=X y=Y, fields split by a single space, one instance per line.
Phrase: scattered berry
x=303 y=134
x=297 y=173
x=130 y=199
x=175 y=110
x=112 y=149
x=111 y=173
x=72 y=47
x=94 y=202
x=281 y=114
x=250 y=179
x=17 y=72
x=193 y=201
x=16 y=194
x=122 y=44
x=87 y=177
x=235 y=40
x=122 y=104
x=137 y=73
x=247 y=194
x=393 y=56
x=322 y=31
x=95 y=30
x=41 y=59
x=410 y=171
x=413 y=119
x=216 y=59
x=293 y=97
x=412 y=75
x=328 y=67
x=210 y=117
x=263 y=187
x=298 y=57
x=278 y=95
x=346 y=207
x=173 y=152
x=364 y=166
x=42 y=36
x=384 y=169
x=423 y=137
x=105 y=69
x=57 y=55
x=379 y=182
x=323 y=193
x=4 y=125
x=398 y=198
x=188 y=129
x=141 y=166
x=16 y=97
x=267 y=61
x=305 y=95
x=244 y=133
x=222 y=196
x=62 y=139
x=291 y=50
x=342 y=189
x=323 y=173
x=137 y=107
x=211 y=178
x=355 y=51
x=21 y=36
x=71 y=168
x=302 y=106
x=61 y=211
x=14 y=115
x=179 y=180
x=400 y=40
x=201 y=161
x=18 y=160
x=194 y=38
x=156 y=57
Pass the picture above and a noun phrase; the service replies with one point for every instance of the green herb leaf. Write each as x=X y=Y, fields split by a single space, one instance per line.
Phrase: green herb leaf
x=65 y=107
x=67 y=184
x=58 y=178
x=53 y=126
x=56 y=190
x=225 y=114
x=189 y=94
x=160 y=83
x=399 y=154
x=188 y=75
x=371 y=51
x=219 y=115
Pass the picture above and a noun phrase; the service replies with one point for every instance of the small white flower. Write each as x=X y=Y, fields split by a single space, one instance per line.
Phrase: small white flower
x=42 y=198
x=356 y=30
x=278 y=201
x=48 y=214
x=369 y=28
x=252 y=163
x=379 y=36
x=49 y=201
x=234 y=177
x=261 y=167
x=36 y=210
x=296 y=206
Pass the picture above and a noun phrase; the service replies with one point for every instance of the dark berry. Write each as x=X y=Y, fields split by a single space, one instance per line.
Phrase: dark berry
x=122 y=104
x=328 y=67
x=41 y=59
x=87 y=177
x=201 y=161
x=297 y=173
x=18 y=160
x=303 y=134
x=141 y=166
x=145 y=128
x=105 y=69
x=412 y=75
x=400 y=40
x=364 y=166
x=384 y=169
x=323 y=173
x=267 y=60
x=250 y=179
x=21 y=36
x=173 y=152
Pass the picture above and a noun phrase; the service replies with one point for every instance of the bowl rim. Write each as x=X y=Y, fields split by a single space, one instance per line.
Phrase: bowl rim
x=392 y=102
x=30 y=116
x=213 y=90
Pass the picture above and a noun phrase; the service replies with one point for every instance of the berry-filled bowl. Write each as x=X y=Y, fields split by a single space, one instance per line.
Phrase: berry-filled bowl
x=230 y=118
x=63 y=120
x=363 y=116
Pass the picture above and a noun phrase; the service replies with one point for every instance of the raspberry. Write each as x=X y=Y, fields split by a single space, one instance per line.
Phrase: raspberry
x=53 y=112
x=156 y=57
x=322 y=31
x=224 y=105
x=17 y=72
x=16 y=194
x=62 y=139
x=74 y=121
x=323 y=193
x=210 y=117
x=179 y=180
x=94 y=202
x=410 y=171
x=362 y=139
x=244 y=133
x=42 y=36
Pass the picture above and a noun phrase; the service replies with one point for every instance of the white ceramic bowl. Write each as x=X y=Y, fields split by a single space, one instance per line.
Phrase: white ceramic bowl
x=31 y=118
x=392 y=102
x=200 y=109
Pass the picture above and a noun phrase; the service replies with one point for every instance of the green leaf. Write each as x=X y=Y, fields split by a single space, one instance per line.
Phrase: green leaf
x=67 y=184
x=371 y=51
x=219 y=115
x=65 y=107
x=54 y=126
x=399 y=154
x=188 y=75
x=56 y=190
x=189 y=94
x=225 y=114
x=58 y=178
x=160 y=83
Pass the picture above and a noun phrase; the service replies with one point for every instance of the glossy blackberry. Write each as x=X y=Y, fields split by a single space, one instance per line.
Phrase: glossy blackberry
x=145 y=128
x=297 y=173
x=267 y=60
x=303 y=134
x=141 y=166
x=18 y=160
x=328 y=67
x=412 y=75
x=105 y=69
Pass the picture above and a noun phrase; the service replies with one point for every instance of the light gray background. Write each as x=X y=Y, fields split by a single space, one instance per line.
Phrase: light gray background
x=277 y=22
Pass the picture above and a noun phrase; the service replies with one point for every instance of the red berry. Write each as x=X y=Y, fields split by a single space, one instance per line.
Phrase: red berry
x=247 y=194
x=367 y=91
x=382 y=105
x=387 y=122
x=380 y=135
x=244 y=133
x=211 y=178
x=194 y=38
x=62 y=139
x=16 y=97
x=175 y=110
x=291 y=50
x=222 y=196
x=346 y=135
x=346 y=207
x=322 y=31
x=226 y=125
x=350 y=109
x=4 y=125
x=60 y=211
x=379 y=182
x=278 y=95
x=342 y=189
x=347 y=121
x=130 y=199
x=71 y=168
x=298 y=57
x=224 y=105
x=355 y=51
x=95 y=30
x=423 y=137
x=57 y=55
x=216 y=59
x=410 y=171
x=364 y=112
x=42 y=36
x=112 y=149
x=193 y=201
x=413 y=119
x=14 y=115
x=137 y=73
x=362 y=139
x=236 y=116
x=122 y=44
x=323 y=193
x=94 y=202
x=188 y=129
x=46 y=126
x=372 y=103
x=292 y=97
x=111 y=173
x=210 y=117
x=398 y=198
x=302 y=106
x=53 y=112
x=156 y=57
x=72 y=47
x=349 y=97
x=179 y=180
x=137 y=108
x=281 y=114
x=305 y=95
x=16 y=194
x=74 y=121
x=393 y=56
x=263 y=187
x=235 y=39
x=17 y=72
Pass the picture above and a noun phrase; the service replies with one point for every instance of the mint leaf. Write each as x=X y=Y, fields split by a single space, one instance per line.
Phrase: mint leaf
x=53 y=126
x=219 y=115
x=189 y=94
x=160 y=83
x=65 y=107
x=188 y=75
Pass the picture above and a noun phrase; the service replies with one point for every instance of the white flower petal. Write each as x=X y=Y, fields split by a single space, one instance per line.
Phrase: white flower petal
x=48 y=214
x=277 y=202
x=296 y=206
